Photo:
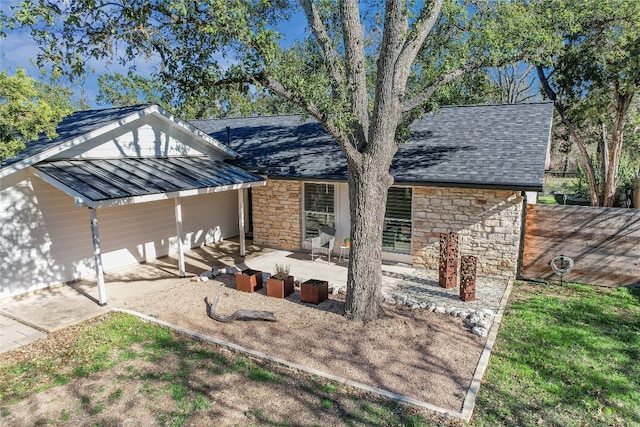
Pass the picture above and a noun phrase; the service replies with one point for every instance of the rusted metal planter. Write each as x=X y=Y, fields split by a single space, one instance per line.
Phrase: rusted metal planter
x=249 y=280
x=314 y=291
x=279 y=288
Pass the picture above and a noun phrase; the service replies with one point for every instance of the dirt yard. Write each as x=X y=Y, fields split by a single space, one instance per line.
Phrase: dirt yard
x=425 y=356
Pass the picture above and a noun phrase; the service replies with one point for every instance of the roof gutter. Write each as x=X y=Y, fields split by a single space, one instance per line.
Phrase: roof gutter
x=499 y=186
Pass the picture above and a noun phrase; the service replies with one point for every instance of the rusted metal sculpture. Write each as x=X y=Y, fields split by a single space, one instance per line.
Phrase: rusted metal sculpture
x=468 y=265
x=448 y=263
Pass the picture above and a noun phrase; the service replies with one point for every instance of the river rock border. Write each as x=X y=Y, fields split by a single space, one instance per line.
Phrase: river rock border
x=478 y=321
x=421 y=291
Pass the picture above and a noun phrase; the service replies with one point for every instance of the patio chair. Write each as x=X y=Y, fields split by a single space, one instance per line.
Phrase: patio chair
x=323 y=244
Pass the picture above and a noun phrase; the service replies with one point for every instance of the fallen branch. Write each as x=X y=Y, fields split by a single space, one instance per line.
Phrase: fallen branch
x=238 y=314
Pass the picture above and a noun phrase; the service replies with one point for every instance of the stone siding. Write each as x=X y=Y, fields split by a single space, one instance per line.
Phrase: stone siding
x=277 y=218
x=488 y=223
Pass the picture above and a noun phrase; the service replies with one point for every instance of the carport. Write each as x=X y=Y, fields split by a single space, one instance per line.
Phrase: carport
x=101 y=183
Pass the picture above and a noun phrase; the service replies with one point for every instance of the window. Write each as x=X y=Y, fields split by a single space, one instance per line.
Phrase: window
x=396 y=235
x=318 y=208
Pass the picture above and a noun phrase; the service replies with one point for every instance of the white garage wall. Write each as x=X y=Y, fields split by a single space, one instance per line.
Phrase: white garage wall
x=135 y=233
x=45 y=240
x=206 y=219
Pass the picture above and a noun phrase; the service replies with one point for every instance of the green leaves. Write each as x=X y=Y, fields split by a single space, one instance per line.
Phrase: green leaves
x=27 y=109
x=593 y=69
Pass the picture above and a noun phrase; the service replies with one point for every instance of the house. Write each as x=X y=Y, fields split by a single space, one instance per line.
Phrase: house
x=126 y=185
x=116 y=187
x=469 y=170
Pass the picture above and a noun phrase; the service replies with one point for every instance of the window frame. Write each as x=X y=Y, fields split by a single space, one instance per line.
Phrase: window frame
x=402 y=233
x=329 y=214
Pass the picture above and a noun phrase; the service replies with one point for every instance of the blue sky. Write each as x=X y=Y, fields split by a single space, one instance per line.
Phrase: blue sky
x=19 y=50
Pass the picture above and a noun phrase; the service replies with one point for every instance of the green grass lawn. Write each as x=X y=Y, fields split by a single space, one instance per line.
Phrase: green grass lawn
x=558 y=199
x=566 y=356
x=558 y=184
x=172 y=379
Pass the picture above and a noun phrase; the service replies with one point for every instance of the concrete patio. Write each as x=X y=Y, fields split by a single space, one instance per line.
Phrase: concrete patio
x=30 y=316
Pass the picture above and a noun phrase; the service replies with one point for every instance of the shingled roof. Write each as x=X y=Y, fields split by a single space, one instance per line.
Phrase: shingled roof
x=479 y=146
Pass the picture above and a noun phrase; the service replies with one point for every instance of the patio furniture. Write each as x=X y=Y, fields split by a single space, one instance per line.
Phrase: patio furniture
x=323 y=243
x=344 y=250
x=314 y=291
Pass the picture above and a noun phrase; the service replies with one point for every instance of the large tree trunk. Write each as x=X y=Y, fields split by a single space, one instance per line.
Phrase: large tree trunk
x=610 y=174
x=368 y=141
x=367 y=197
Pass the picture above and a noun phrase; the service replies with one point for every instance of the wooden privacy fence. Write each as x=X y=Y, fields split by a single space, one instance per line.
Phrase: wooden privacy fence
x=604 y=243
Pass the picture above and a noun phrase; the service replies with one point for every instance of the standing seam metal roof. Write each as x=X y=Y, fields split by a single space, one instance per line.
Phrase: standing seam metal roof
x=109 y=179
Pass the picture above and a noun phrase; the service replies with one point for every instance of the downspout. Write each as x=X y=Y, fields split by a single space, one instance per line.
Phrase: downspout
x=523 y=232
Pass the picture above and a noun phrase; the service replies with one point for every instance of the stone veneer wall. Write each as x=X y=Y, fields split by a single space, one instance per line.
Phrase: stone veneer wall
x=277 y=220
x=487 y=221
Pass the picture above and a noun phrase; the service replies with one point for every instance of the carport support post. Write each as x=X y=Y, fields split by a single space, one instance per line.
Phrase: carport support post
x=179 y=232
x=97 y=256
x=241 y=220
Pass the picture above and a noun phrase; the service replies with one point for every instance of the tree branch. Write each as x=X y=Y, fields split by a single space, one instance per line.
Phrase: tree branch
x=426 y=93
x=386 y=111
x=280 y=90
x=238 y=314
x=421 y=29
x=353 y=34
x=320 y=32
x=560 y=108
x=329 y=125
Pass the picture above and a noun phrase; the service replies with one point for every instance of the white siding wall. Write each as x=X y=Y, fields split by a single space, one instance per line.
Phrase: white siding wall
x=133 y=233
x=148 y=136
x=46 y=240
x=206 y=219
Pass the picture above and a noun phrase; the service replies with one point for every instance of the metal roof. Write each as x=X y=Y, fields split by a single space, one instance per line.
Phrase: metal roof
x=477 y=146
x=112 y=182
